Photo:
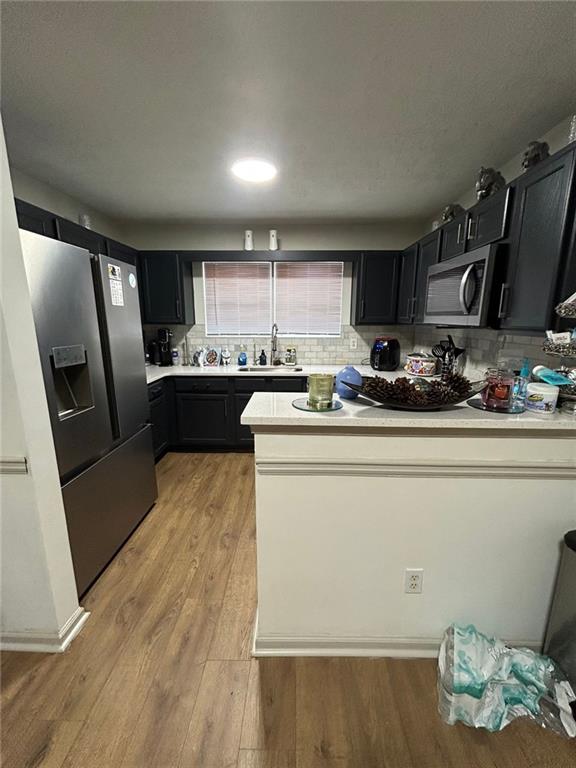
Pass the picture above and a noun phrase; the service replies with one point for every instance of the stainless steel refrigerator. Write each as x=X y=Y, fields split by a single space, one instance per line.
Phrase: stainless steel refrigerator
x=87 y=317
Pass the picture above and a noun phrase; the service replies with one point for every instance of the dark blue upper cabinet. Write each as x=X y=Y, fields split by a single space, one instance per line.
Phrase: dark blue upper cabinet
x=35 y=219
x=166 y=288
x=488 y=219
x=121 y=252
x=541 y=245
x=454 y=237
x=428 y=255
x=72 y=233
x=407 y=286
x=374 y=288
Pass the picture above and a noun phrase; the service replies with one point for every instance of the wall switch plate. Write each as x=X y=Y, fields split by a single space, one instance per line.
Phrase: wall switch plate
x=353 y=343
x=413 y=578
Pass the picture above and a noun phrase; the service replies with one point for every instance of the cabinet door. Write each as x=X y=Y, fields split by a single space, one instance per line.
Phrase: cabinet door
x=288 y=384
x=487 y=220
x=35 y=219
x=162 y=288
x=454 y=238
x=428 y=254
x=539 y=240
x=376 y=281
x=121 y=252
x=407 y=287
x=160 y=425
x=72 y=233
x=204 y=419
x=244 y=434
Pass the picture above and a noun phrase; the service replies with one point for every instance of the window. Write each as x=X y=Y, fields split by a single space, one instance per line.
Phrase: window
x=238 y=298
x=304 y=298
x=308 y=297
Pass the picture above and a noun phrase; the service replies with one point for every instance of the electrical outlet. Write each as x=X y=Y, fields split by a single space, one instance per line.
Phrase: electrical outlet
x=413 y=578
x=353 y=343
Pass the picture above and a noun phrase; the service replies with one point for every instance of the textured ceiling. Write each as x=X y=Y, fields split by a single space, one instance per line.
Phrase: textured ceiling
x=376 y=110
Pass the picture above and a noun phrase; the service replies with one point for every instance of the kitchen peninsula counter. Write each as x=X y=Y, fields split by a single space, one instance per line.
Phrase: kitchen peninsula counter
x=347 y=501
x=275 y=409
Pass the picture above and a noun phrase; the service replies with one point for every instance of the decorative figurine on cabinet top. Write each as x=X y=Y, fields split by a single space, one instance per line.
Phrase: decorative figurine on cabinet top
x=451 y=211
x=536 y=151
x=489 y=181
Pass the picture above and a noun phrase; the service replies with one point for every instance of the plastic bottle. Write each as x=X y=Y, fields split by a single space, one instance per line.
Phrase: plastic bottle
x=550 y=376
x=175 y=357
x=242 y=357
x=519 y=392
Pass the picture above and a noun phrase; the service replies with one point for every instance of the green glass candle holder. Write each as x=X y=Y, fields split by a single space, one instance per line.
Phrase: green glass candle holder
x=320 y=389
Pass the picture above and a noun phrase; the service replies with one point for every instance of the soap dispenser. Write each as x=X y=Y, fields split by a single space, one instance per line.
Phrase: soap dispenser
x=262 y=358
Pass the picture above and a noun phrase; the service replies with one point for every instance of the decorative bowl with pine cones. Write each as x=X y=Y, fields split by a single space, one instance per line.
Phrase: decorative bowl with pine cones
x=419 y=394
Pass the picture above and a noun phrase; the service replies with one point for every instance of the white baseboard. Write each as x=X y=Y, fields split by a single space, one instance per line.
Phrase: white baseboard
x=45 y=642
x=392 y=647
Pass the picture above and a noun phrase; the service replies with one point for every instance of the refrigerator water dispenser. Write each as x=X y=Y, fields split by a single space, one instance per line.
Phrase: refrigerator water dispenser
x=71 y=380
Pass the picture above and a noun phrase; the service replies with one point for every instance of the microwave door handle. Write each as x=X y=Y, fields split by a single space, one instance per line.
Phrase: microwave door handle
x=463 y=285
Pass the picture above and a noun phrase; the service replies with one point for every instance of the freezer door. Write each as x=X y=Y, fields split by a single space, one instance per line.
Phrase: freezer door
x=117 y=289
x=106 y=502
x=66 y=320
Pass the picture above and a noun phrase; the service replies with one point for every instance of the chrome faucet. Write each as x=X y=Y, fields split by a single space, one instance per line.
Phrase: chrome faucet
x=274 y=344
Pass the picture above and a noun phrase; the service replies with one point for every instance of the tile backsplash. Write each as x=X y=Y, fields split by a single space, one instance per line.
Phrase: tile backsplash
x=318 y=350
x=484 y=346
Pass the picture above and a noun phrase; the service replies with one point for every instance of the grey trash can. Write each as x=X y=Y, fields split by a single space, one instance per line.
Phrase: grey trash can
x=560 y=641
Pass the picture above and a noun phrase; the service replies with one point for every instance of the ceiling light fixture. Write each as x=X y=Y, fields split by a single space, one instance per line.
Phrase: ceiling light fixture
x=254 y=169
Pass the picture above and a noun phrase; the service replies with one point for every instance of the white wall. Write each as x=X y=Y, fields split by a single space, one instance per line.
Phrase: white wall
x=39 y=600
x=294 y=235
x=45 y=196
x=342 y=513
x=557 y=137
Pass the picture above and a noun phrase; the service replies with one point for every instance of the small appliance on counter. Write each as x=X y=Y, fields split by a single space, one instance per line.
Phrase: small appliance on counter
x=152 y=352
x=164 y=348
x=385 y=354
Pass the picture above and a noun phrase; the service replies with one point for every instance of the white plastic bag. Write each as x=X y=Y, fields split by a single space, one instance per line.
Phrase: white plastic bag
x=485 y=684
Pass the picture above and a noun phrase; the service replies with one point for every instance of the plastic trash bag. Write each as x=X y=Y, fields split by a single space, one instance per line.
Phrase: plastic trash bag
x=485 y=684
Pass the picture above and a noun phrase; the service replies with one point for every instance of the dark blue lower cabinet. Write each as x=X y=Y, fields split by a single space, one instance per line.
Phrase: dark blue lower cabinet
x=201 y=412
x=204 y=419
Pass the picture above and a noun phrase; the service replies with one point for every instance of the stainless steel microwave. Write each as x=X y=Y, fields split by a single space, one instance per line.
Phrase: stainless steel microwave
x=459 y=291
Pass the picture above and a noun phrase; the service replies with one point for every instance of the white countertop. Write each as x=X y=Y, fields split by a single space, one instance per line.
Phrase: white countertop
x=269 y=409
x=156 y=372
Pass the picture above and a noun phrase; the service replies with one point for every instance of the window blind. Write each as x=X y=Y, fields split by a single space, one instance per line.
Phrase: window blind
x=237 y=298
x=308 y=297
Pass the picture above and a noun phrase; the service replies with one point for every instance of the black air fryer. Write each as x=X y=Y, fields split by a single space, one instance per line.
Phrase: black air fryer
x=385 y=354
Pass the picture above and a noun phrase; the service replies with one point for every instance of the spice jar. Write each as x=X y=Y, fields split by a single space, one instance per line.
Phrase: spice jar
x=497 y=395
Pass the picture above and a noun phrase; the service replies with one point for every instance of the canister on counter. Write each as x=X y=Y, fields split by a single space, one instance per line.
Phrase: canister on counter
x=541 y=398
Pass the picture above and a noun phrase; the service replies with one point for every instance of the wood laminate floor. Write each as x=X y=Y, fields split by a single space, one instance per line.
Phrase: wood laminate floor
x=161 y=675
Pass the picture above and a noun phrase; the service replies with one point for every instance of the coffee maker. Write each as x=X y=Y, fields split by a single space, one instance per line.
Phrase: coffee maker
x=164 y=347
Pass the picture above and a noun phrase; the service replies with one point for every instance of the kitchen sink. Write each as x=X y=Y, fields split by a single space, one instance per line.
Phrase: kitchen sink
x=263 y=368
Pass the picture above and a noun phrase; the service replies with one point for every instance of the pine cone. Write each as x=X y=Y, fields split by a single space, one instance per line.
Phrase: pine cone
x=458 y=383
